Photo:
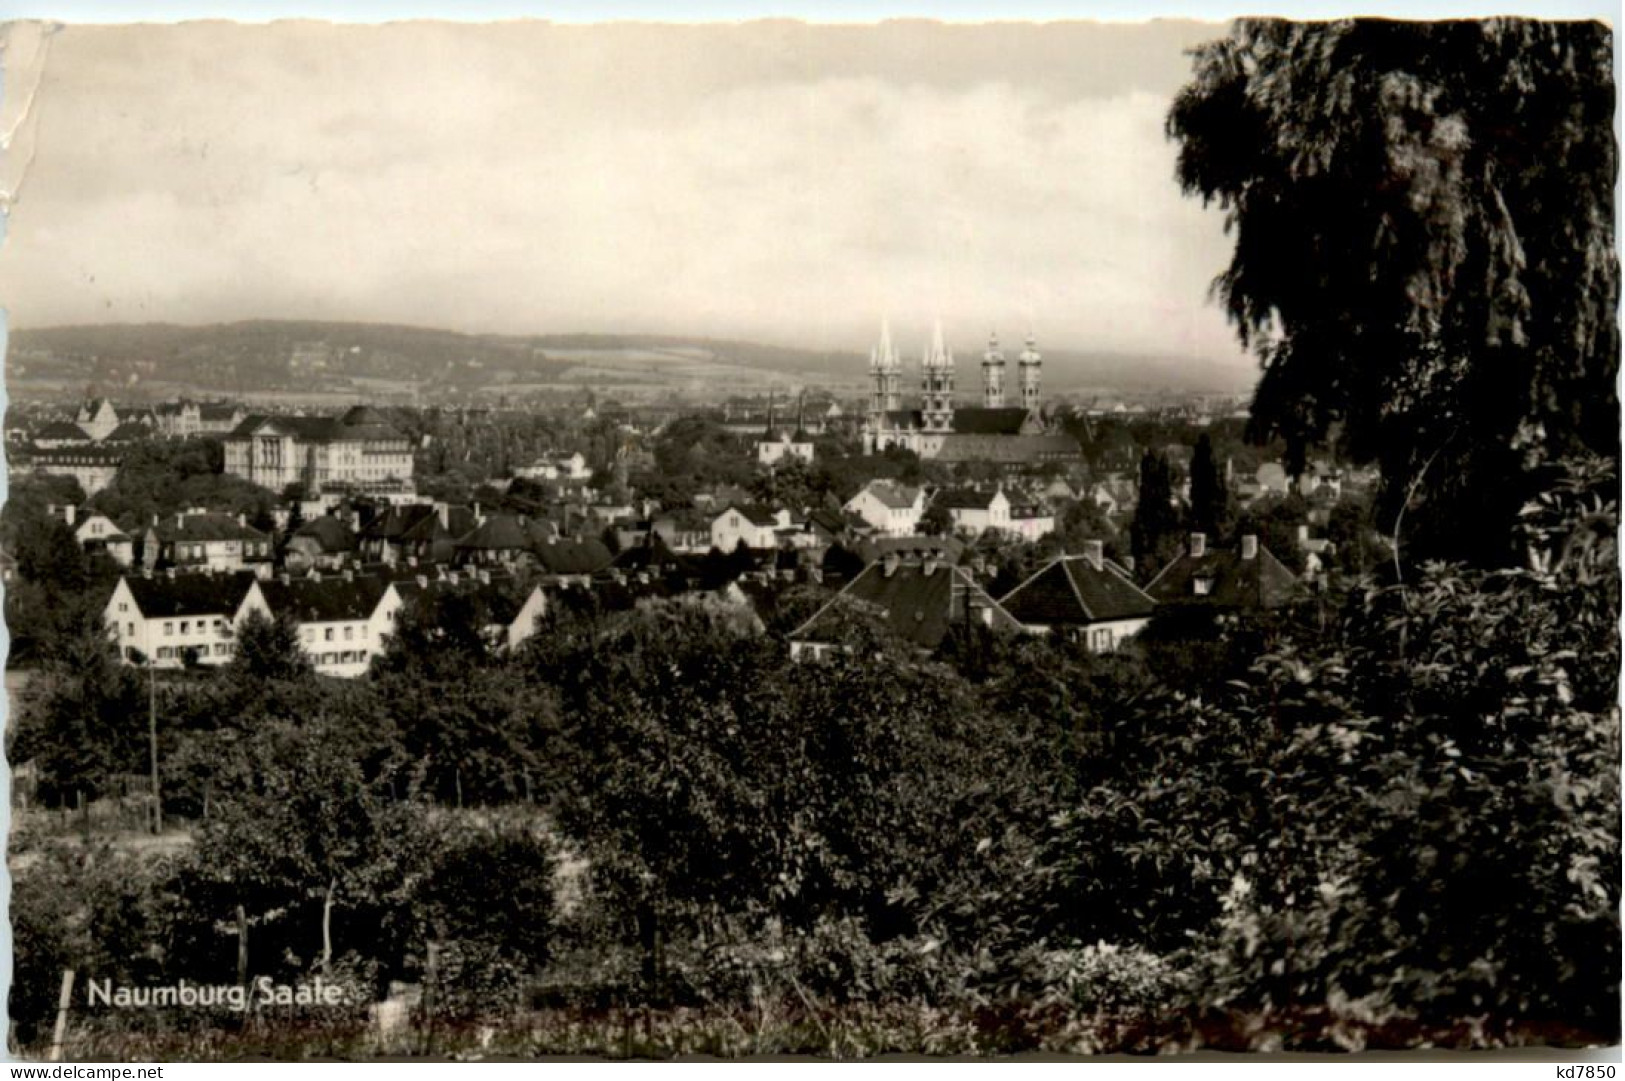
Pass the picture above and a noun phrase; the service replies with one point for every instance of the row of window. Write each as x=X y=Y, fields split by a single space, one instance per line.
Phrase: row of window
x=187 y=626
x=327 y=633
x=356 y=656
x=172 y=653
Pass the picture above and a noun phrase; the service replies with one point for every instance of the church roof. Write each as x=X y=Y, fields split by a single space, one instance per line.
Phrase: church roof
x=982 y=420
x=1007 y=448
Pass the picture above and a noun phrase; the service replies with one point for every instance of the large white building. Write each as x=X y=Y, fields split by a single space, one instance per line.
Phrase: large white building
x=360 y=450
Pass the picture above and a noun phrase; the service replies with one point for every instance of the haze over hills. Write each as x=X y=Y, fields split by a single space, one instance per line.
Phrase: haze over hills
x=277 y=358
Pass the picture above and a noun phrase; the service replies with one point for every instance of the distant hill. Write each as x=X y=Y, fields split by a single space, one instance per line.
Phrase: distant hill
x=263 y=357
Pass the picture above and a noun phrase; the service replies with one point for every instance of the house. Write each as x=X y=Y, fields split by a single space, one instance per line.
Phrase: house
x=770 y=452
x=556 y=467
x=93 y=467
x=360 y=450
x=890 y=508
x=321 y=543
x=973 y=511
x=502 y=539
x=206 y=540
x=572 y=562
x=749 y=522
x=919 y=601
x=1087 y=598
x=342 y=619
x=97 y=533
x=60 y=433
x=1244 y=578
x=97 y=417
x=426 y=532
x=511 y=610
x=170 y=619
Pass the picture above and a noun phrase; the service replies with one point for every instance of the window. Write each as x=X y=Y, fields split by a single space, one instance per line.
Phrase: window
x=165 y=653
x=1101 y=640
x=1202 y=586
x=220 y=649
x=129 y=629
x=327 y=635
x=349 y=633
x=310 y=634
x=169 y=629
x=185 y=626
x=122 y=607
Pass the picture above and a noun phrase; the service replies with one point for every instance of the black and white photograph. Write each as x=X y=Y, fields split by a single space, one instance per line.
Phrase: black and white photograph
x=755 y=538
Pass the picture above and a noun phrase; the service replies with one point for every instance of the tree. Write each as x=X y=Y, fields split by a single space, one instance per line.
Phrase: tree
x=1213 y=504
x=1154 y=533
x=1424 y=255
x=269 y=649
x=937 y=521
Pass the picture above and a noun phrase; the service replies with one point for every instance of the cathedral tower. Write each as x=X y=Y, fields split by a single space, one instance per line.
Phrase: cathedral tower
x=886 y=369
x=937 y=385
x=993 y=374
x=1031 y=366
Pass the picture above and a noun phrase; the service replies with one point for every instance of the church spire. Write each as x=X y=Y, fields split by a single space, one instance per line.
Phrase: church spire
x=1032 y=362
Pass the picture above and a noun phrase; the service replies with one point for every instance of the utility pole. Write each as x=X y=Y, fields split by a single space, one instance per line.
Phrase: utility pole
x=152 y=738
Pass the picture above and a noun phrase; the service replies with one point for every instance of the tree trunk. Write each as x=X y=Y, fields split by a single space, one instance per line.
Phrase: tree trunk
x=327 y=926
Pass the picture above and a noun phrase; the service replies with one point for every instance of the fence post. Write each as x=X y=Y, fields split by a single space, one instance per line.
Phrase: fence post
x=62 y=1003
x=431 y=976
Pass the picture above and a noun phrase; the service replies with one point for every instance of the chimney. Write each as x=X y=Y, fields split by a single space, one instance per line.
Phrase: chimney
x=888 y=564
x=1198 y=544
x=411 y=561
x=1249 y=546
x=180 y=520
x=423 y=581
x=1095 y=552
x=285 y=578
x=1303 y=536
x=242 y=520
x=484 y=576
x=929 y=566
x=349 y=575
x=71 y=512
x=155 y=521
x=1128 y=563
x=444 y=512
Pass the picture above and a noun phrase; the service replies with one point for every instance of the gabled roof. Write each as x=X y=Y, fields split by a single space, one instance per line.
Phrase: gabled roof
x=324 y=600
x=1260 y=582
x=129 y=431
x=330 y=534
x=1073 y=591
x=190 y=594
x=217 y=411
x=964 y=499
x=920 y=601
x=209 y=526
x=893 y=495
x=504 y=532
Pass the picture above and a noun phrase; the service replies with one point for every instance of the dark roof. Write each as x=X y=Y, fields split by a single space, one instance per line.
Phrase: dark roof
x=323 y=600
x=360 y=422
x=190 y=594
x=330 y=534
x=1260 y=582
x=964 y=499
x=573 y=556
x=501 y=594
x=920 y=601
x=919 y=547
x=754 y=513
x=394 y=523
x=1072 y=591
x=217 y=411
x=61 y=429
x=892 y=494
x=205 y=527
x=128 y=431
x=1007 y=448
x=505 y=532
x=980 y=420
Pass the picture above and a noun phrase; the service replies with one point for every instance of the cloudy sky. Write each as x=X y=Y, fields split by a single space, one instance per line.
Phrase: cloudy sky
x=773 y=180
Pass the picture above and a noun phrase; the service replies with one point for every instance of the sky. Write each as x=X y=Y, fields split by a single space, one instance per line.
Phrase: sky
x=771 y=180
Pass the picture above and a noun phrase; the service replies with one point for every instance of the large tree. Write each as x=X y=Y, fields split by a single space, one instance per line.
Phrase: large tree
x=1424 y=250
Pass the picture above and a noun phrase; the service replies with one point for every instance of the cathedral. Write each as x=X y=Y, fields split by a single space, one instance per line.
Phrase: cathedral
x=991 y=432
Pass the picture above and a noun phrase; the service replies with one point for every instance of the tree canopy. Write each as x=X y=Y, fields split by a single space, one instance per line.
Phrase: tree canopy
x=1424 y=250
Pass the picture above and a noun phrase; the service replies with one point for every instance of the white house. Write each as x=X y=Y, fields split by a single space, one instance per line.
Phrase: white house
x=556 y=467
x=97 y=533
x=1086 y=597
x=772 y=452
x=889 y=508
x=342 y=620
x=169 y=620
x=755 y=525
